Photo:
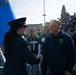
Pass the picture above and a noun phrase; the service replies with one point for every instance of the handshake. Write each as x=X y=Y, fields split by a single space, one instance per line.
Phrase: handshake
x=41 y=58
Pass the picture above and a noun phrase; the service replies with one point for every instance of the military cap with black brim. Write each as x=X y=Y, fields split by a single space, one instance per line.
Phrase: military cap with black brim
x=18 y=22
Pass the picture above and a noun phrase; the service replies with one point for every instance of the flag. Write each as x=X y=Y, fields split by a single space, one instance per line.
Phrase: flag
x=6 y=15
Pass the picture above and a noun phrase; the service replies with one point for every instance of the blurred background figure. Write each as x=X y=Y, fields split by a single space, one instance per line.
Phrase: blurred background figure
x=2 y=61
x=44 y=68
x=34 y=42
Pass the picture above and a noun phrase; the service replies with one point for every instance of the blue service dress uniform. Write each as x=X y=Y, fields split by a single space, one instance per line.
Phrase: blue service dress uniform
x=17 y=56
x=60 y=52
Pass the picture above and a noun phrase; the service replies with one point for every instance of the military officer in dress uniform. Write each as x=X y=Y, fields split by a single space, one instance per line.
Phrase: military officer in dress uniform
x=17 y=50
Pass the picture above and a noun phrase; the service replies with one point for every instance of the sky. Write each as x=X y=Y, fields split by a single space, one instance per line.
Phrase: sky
x=34 y=9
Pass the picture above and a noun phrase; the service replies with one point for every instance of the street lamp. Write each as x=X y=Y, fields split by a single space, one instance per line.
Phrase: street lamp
x=44 y=11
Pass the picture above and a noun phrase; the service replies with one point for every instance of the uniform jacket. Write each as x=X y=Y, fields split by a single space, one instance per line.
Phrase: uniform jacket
x=17 y=57
x=59 y=52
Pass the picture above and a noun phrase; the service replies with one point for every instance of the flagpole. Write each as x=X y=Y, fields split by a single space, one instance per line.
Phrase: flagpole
x=44 y=11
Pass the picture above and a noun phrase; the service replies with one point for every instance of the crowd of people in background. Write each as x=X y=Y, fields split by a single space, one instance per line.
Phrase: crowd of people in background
x=50 y=53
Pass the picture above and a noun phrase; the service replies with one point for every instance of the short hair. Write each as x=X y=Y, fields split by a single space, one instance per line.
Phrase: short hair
x=56 y=22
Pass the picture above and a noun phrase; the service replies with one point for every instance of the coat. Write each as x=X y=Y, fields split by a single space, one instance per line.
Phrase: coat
x=17 y=56
x=59 y=52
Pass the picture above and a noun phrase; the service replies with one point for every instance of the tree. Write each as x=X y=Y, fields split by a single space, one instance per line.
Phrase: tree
x=64 y=15
x=63 y=12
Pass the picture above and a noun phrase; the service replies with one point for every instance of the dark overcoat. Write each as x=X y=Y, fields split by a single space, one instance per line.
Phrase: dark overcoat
x=17 y=56
x=59 y=52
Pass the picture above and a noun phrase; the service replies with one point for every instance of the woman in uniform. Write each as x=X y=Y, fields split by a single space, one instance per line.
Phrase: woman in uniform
x=17 y=50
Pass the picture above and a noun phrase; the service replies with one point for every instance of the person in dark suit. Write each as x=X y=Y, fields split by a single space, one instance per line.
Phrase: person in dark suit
x=17 y=49
x=59 y=50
